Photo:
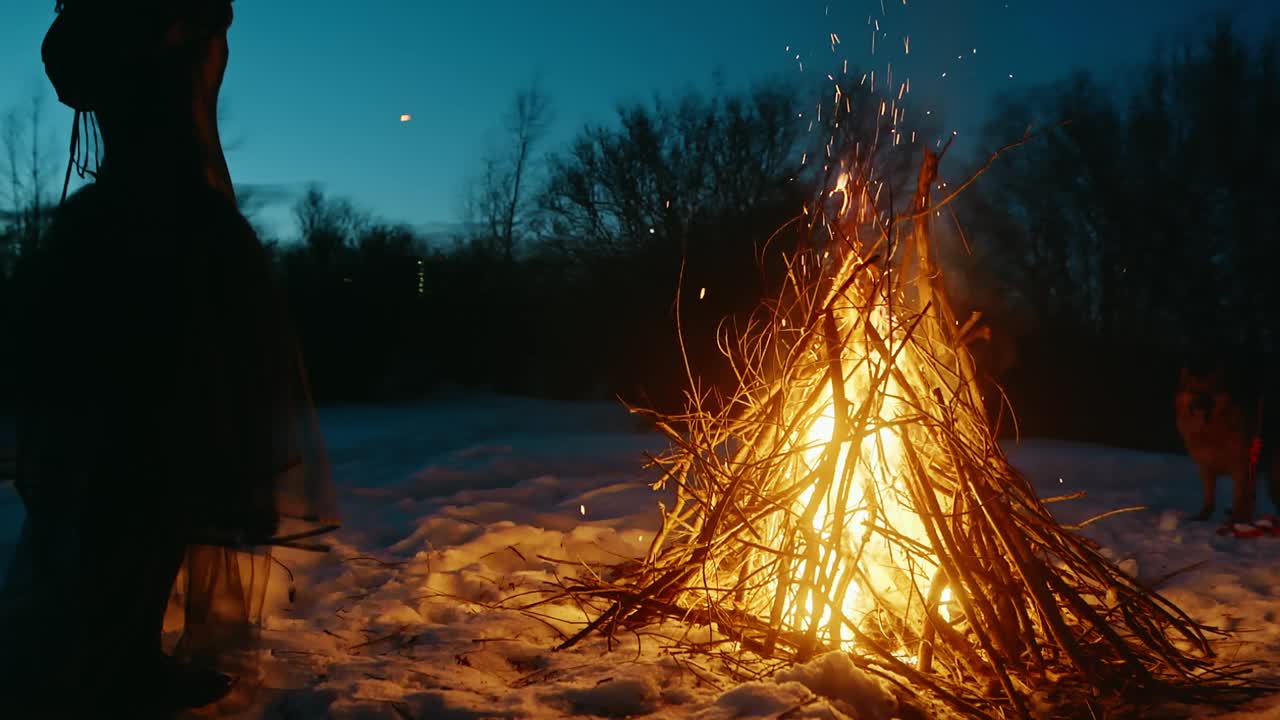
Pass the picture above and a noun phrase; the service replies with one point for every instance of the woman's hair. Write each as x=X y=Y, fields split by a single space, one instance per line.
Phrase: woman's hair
x=102 y=51
x=95 y=47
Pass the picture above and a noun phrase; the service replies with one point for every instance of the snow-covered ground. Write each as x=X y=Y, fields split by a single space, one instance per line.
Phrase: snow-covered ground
x=456 y=503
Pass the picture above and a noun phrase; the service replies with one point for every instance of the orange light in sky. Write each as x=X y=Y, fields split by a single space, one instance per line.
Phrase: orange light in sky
x=406 y=118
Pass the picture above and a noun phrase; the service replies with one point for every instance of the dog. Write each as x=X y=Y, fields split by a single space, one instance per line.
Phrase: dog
x=1223 y=429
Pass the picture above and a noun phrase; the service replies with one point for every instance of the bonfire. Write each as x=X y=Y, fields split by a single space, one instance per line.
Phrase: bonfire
x=851 y=496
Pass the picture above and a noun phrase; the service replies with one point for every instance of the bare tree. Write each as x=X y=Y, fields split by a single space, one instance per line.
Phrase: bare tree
x=498 y=201
x=26 y=173
x=13 y=196
x=11 y=230
x=661 y=173
x=327 y=226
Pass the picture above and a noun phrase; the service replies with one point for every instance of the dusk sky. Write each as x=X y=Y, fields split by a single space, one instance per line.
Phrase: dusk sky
x=316 y=89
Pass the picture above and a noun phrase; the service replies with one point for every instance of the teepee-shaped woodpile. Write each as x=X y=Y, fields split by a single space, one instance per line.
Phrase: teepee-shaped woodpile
x=851 y=496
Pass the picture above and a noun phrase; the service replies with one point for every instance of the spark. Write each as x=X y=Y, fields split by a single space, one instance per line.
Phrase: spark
x=406 y=118
x=702 y=294
x=582 y=509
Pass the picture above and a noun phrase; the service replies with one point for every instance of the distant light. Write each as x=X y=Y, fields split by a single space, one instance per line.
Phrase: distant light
x=582 y=509
x=702 y=294
x=406 y=118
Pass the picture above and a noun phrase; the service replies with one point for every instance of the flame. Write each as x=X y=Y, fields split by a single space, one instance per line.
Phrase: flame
x=870 y=479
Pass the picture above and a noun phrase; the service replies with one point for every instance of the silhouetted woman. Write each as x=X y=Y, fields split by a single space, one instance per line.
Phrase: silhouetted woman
x=165 y=429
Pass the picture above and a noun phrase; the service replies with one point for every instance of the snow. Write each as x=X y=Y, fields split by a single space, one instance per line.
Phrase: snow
x=833 y=676
x=455 y=504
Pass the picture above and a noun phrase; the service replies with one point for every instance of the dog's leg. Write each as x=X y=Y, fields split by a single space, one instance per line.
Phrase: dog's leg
x=1273 y=480
x=1244 y=493
x=1209 y=482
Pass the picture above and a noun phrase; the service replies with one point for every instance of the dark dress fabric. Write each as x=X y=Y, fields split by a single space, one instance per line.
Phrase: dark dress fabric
x=161 y=376
x=163 y=404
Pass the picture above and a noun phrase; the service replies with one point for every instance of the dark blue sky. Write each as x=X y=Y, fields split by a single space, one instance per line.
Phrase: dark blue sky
x=316 y=89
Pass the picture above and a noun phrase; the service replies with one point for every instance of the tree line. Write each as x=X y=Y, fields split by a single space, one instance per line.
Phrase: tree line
x=1136 y=232
x=1138 y=235
x=563 y=281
